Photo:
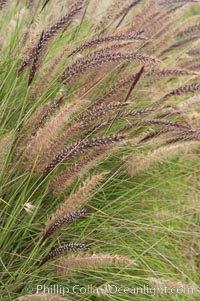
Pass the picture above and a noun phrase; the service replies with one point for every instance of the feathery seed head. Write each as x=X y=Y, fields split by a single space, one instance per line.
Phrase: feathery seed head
x=87 y=260
x=138 y=163
x=63 y=249
x=111 y=38
x=63 y=220
x=100 y=58
x=80 y=146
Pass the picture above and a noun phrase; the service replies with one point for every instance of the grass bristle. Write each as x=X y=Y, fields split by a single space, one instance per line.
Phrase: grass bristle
x=100 y=58
x=90 y=261
x=56 y=224
x=78 y=199
x=71 y=247
x=139 y=163
x=79 y=147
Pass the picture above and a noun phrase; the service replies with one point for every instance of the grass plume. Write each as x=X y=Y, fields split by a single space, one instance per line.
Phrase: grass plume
x=64 y=249
x=87 y=260
x=46 y=134
x=46 y=36
x=138 y=163
x=79 y=147
x=63 y=220
x=77 y=200
x=100 y=58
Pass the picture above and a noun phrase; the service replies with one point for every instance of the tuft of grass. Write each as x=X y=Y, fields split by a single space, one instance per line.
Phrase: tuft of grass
x=99 y=114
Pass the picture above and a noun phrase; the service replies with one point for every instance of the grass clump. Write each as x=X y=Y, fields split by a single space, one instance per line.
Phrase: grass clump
x=99 y=152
